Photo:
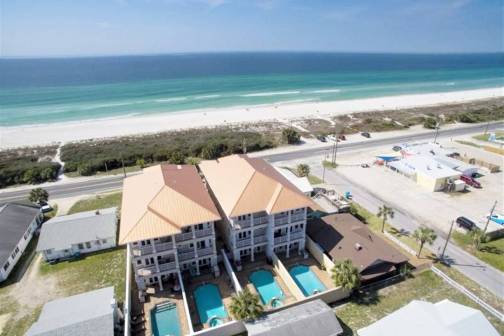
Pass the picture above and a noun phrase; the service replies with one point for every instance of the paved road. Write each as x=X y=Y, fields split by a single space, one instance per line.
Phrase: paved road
x=69 y=189
x=486 y=276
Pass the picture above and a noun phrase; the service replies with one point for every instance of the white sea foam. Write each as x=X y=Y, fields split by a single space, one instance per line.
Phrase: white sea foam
x=207 y=96
x=450 y=84
x=167 y=100
x=327 y=91
x=272 y=93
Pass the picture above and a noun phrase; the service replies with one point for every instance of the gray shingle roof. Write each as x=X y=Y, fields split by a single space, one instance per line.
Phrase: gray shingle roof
x=61 y=232
x=14 y=221
x=313 y=318
x=86 y=314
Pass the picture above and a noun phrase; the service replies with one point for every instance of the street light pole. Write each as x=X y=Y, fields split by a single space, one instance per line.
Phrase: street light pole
x=447 y=240
x=437 y=131
x=489 y=216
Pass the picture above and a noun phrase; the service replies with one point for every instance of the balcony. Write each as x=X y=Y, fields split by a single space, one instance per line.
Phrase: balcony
x=142 y=250
x=185 y=249
x=186 y=256
x=183 y=236
x=297 y=217
x=260 y=239
x=203 y=233
x=167 y=266
x=297 y=235
x=260 y=220
x=242 y=224
x=160 y=247
x=281 y=220
x=147 y=270
x=281 y=239
x=205 y=251
x=243 y=242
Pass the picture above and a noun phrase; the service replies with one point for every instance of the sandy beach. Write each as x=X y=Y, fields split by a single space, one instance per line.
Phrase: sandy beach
x=101 y=128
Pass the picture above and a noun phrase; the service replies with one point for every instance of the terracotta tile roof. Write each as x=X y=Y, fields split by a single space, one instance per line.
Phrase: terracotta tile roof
x=343 y=236
x=162 y=200
x=245 y=185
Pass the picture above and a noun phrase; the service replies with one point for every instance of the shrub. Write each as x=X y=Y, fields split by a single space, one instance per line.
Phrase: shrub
x=290 y=136
x=429 y=123
x=467 y=118
x=302 y=170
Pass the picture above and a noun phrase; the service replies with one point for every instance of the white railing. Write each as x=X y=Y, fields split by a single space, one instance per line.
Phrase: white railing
x=142 y=250
x=205 y=251
x=281 y=239
x=296 y=218
x=281 y=221
x=241 y=224
x=147 y=270
x=468 y=293
x=203 y=233
x=186 y=255
x=297 y=235
x=167 y=266
x=243 y=242
x=260 y=220
x=183 y=236
x=164 y=246
x=260 y=239
x=227 y=265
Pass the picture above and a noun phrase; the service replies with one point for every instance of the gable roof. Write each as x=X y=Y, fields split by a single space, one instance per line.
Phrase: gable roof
x=162 y=200
x=15 y=218
x=245 y=185
x=62 y=232
x=314 y=318
x=343 y=236
x=85 y=314
x=419 y=318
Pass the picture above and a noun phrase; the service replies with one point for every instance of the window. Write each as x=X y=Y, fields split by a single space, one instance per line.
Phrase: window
x=139 y=262
x=49 y=251
x=13 y=255
x=6 y=266
x=201 y=244
x=98 y=242
x=80 y=246
x=88 y=245
x=104 y=241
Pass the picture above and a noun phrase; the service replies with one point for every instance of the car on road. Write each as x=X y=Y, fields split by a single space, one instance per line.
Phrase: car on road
x=397 y=148
x=341 y=137
x=321 y=138
x=366 y=135
x=465 y=223
x=470 y=181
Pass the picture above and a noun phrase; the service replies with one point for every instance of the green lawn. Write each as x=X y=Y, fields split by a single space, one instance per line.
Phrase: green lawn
x=314 y=179
x=329 y=164
x=372 y=306
x=492 y=252
x=468 y=143
x=92 y=271
x=97 y=202
x=484 y=137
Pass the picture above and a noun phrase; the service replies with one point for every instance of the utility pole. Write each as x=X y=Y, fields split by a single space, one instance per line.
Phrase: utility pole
x=447 y=240
x=488 y=219
x=244 y=146
x=124 y=169
x=437 y=131
x=323 y=171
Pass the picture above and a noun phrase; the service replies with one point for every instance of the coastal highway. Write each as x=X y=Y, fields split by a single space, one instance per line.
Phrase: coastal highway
x=65 y=189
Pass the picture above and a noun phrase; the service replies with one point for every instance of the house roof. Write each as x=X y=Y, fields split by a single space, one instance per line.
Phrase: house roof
x=85 y=314
x=343 y=236
x=62 y=232
x=428 y=166
x=313 y=318
x=245 y=185
x=301 y=183
x=162 y=200
x=419 y=318
x=15 y=218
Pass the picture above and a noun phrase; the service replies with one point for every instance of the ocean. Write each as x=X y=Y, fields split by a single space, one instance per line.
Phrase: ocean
x=53 y=90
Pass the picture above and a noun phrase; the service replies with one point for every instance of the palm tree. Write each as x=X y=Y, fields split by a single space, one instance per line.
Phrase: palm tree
x=346 y=275
x=38 y=195
x=385 y=212
x=246 y=305
x=424 y=235
x=302 y=170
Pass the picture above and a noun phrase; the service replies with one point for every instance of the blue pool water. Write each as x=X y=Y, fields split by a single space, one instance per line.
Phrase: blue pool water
x=269 y=291
x=306 y=280
x=165 y=320
x=209 y=305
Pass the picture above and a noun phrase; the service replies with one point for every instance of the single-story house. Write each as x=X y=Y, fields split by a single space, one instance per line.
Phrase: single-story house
x=420 y=318
x=18 y=222
x=301 y=183
x=314 y=318
x=460 y=166
x=92 y=313
x=342 y=236
x=84 y=232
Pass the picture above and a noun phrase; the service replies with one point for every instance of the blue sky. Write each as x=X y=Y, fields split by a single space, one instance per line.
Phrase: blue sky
x=111 y=27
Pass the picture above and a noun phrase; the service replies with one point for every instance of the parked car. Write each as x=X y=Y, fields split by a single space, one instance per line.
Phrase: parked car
x=470 y=181
x=331 y=137
x=341 y=137
x=46 y=208
x=364 y=165
x=397 y=148
x=366 y=135
x=321 y=138
x=465 y=223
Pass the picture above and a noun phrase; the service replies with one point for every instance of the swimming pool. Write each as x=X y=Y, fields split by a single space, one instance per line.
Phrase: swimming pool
x=306 y=280
x=165 y=320
x=209 y=305
x=269 y=291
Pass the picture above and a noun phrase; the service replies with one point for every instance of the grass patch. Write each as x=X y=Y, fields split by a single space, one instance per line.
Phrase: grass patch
x=97 y=202
x=468 y=143
x=91 y=271
x=329 y=164
x=17 y=326
x=374 y=305
x=314 y=179
x=492 y=252
x=484 y=137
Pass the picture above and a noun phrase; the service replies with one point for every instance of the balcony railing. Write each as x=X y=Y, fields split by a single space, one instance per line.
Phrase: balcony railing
x=297 y=235
x=242 y=224
x=298 y=217
x=185 y=249
x=260 y=220
x=164 y=246
x=281 y=239
x=183 y=236
x=186 y=256
x=203 y=233
x=260 y=239
x=243 y=242
x=205 y=251
x=281 y=220
x=167 y=266
x=142 y=250
x=147 y=270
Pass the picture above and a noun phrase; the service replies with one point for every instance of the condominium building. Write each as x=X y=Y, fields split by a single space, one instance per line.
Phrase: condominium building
x=262 y=211
x=167 y=219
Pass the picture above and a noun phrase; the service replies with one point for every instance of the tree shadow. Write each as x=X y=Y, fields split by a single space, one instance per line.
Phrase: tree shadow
x=399 y=233
x=347 y=331
x=492 y=249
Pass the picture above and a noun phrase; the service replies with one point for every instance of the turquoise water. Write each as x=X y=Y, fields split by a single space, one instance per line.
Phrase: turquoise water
x=165 y=320
x=209 y=304
x=35 y=91
x=306 y=280
x=267 y=287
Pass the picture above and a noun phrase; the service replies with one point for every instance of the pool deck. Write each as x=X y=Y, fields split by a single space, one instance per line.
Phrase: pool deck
x=155 y=297
x=314 y=267
x=250 y=267
x=225 y=288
